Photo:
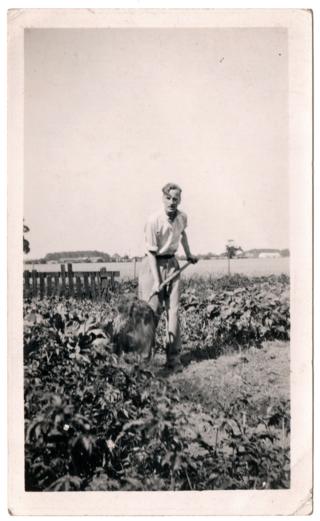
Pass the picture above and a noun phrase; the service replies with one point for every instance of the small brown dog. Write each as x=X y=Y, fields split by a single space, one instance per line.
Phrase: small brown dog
x=134 y=328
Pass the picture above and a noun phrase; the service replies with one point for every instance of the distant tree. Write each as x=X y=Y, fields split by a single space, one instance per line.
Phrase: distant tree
x=231 y=251
x=26 y=244
x=57 y=256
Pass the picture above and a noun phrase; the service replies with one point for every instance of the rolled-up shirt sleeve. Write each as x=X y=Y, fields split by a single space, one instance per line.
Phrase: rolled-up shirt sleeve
x=150 y=234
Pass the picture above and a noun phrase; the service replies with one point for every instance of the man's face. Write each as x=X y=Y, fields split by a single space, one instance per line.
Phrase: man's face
x=171 y=201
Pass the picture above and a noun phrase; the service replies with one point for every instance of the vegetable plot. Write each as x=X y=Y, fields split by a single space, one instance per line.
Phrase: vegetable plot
x=236 y=312
x=97 y=422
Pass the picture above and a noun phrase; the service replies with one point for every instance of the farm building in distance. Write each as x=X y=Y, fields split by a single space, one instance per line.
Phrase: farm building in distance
x=269 y=255
x=266 y=253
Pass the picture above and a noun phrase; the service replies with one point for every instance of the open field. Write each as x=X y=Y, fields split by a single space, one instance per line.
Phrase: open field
x=203 y=268
x=96 y=421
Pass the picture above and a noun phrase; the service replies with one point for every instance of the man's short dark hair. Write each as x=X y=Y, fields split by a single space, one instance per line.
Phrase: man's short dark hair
x=171 y=186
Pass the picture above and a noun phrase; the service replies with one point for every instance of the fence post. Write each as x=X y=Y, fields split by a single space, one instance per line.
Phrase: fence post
x=63 y=279
x=41 y=275
x=34 y=283
x=70 y=278
x=78 y=284
x=56 y=284
x=49 y=289
x=103 y=283
x=86 y=285
x=26 y=283
x=93 y=285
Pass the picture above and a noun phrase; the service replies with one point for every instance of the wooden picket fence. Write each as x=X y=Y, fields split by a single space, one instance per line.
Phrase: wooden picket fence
x=78 y=284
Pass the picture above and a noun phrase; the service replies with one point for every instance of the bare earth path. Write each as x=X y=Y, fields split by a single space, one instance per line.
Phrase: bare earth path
x=260 y=376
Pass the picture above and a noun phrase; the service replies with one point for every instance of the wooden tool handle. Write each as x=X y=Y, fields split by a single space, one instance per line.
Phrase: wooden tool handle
x=169 y=279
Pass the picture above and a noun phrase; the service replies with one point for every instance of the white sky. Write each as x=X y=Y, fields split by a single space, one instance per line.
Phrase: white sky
x=111 y=115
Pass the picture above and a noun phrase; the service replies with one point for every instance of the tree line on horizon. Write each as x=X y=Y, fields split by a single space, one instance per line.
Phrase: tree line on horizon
x=100 y=256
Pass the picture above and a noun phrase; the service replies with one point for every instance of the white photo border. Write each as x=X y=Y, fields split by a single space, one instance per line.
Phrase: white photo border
x=296 y=500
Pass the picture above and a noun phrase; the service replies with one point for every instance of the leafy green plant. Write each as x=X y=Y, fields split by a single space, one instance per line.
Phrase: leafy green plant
x=96 y=422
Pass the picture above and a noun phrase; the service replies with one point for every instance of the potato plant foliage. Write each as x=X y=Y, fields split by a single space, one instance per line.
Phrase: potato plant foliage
x=94 y=421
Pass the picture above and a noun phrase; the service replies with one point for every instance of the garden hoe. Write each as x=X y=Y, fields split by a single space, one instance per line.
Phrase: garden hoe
x=169 y=279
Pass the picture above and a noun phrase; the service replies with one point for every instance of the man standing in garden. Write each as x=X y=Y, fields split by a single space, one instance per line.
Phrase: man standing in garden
x=163 y=232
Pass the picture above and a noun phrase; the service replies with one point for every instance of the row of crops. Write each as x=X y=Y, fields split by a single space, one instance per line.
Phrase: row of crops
x=94 y=421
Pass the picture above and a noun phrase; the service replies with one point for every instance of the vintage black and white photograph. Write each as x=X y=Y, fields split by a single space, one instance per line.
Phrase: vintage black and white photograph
x=157 y=258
